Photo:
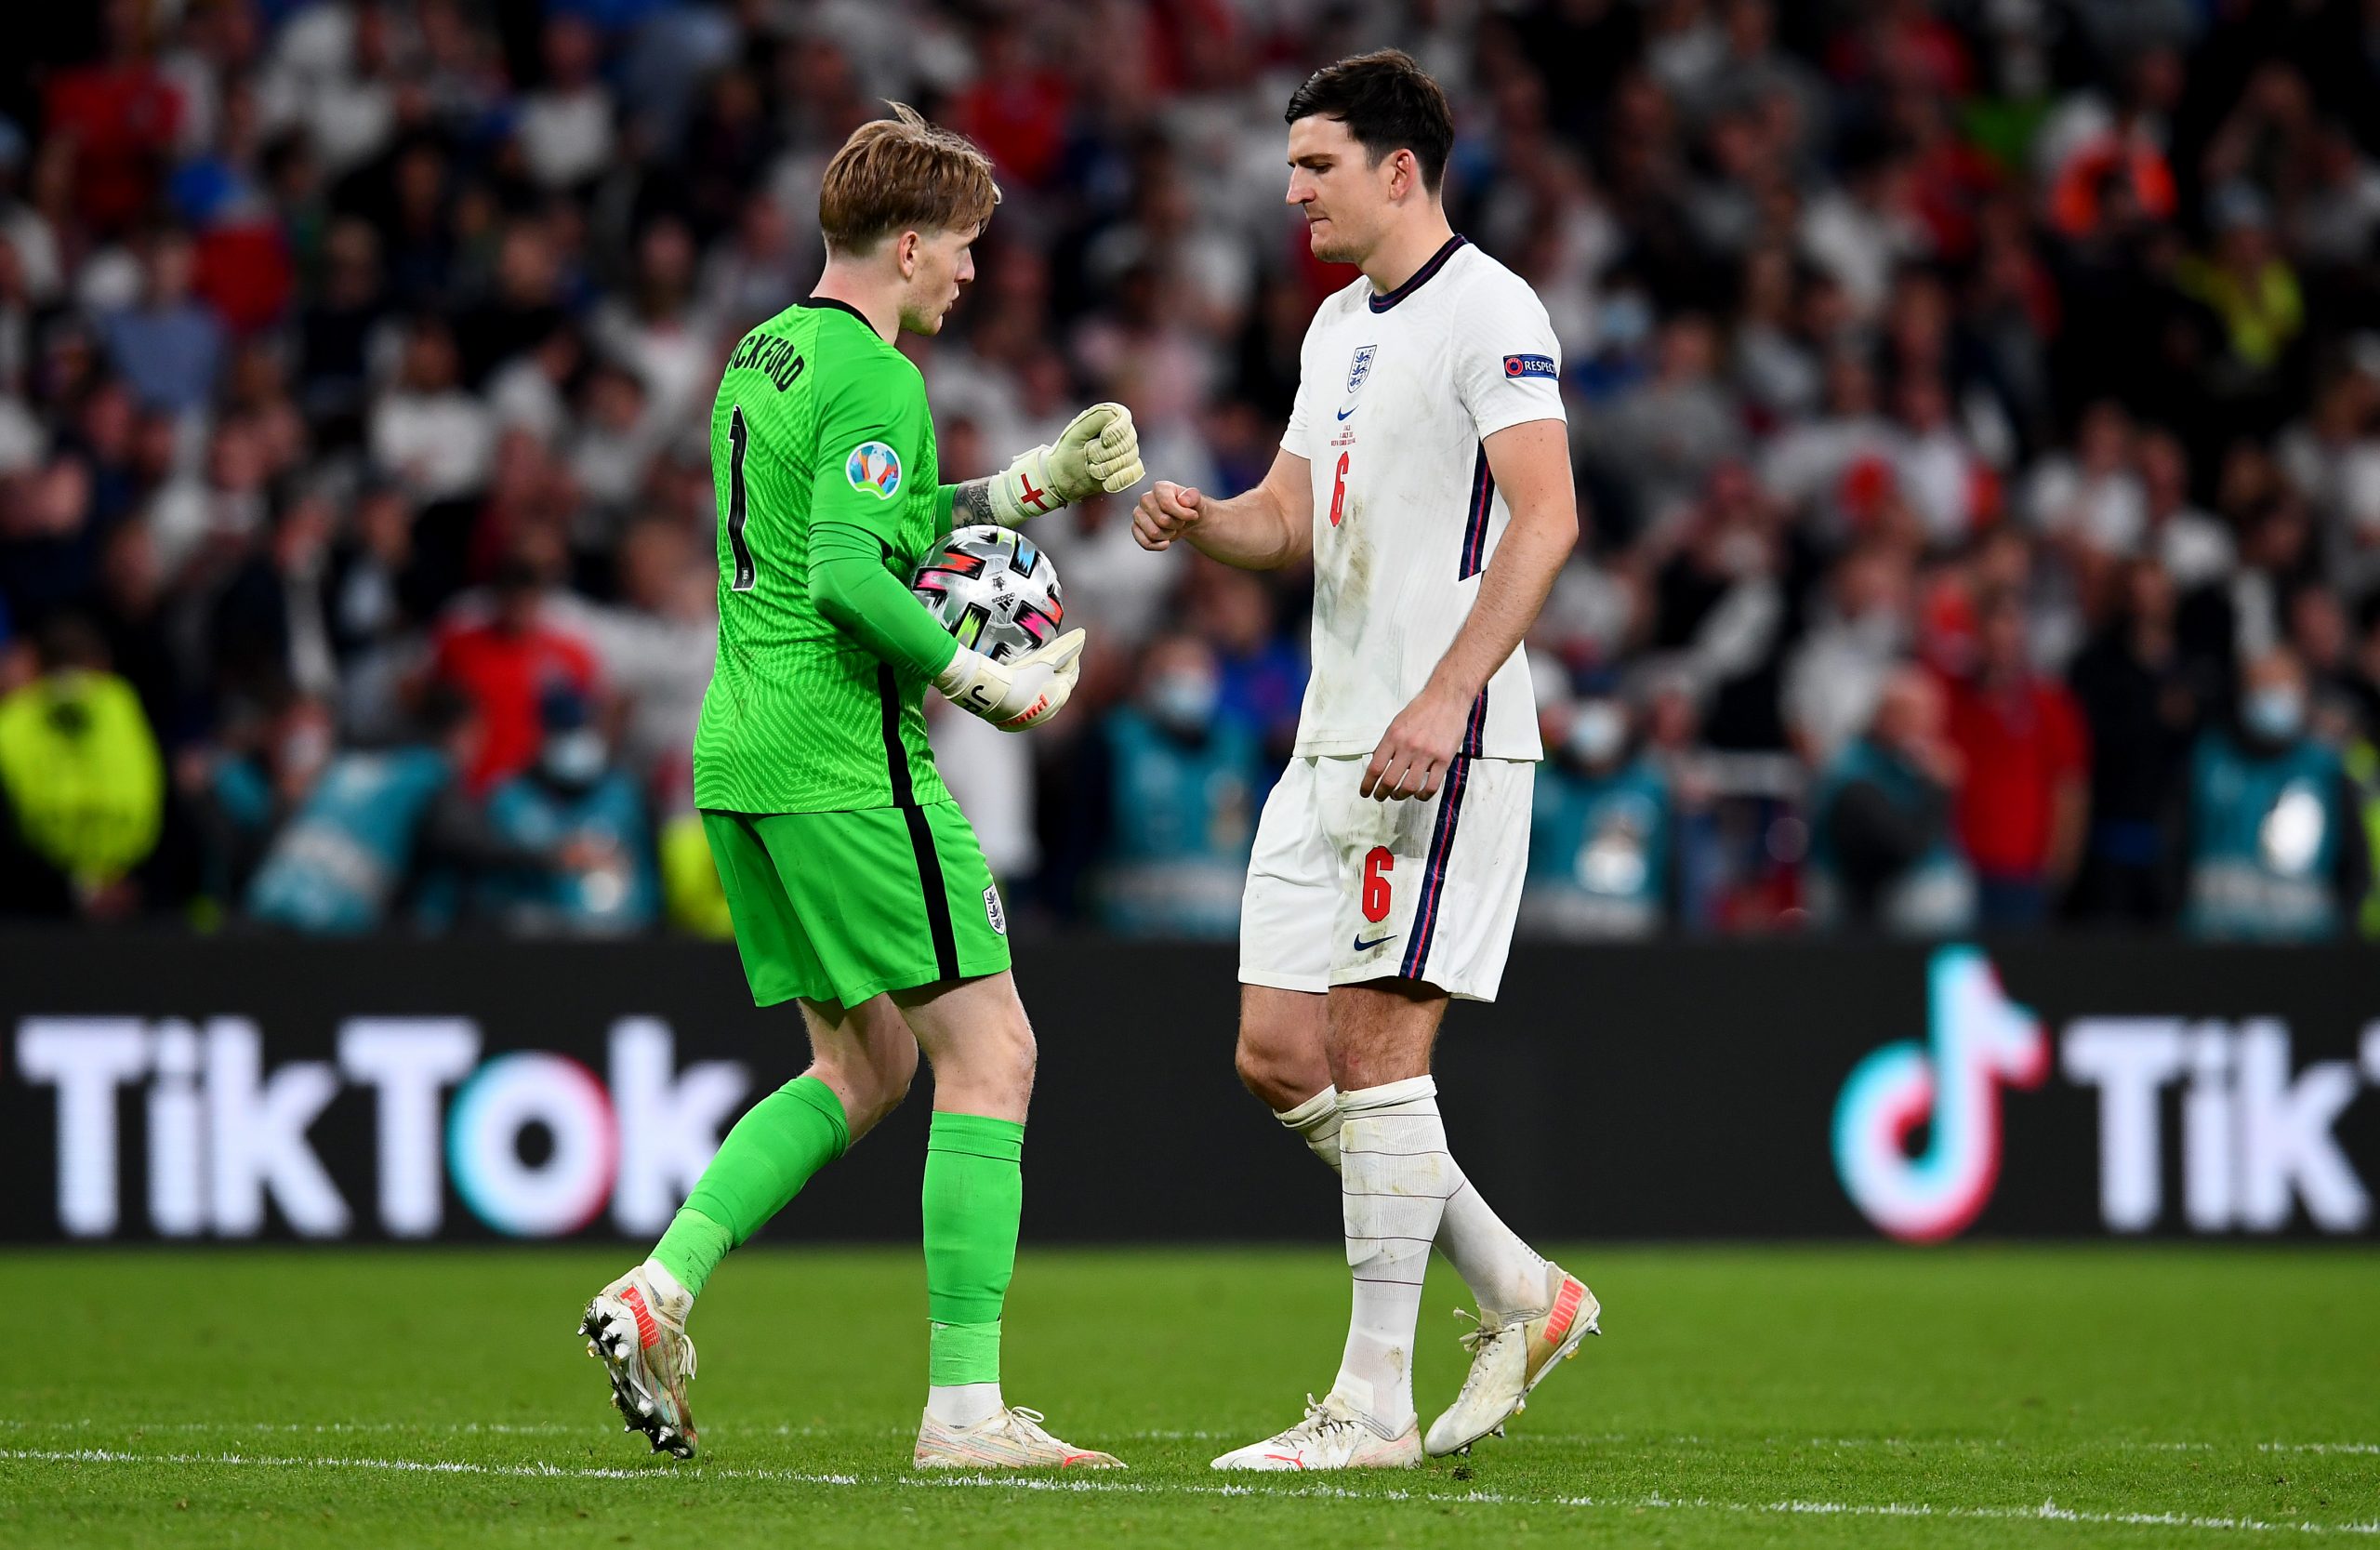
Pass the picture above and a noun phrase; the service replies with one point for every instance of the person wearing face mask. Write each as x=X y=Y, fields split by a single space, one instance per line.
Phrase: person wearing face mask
x=2273 y=853
x=1178 y=779
x=1885 y=852
x=1601 y=848
x=574 y=803
x=387 y=827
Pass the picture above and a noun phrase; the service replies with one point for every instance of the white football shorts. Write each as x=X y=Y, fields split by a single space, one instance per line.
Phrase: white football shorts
x=1344 y=888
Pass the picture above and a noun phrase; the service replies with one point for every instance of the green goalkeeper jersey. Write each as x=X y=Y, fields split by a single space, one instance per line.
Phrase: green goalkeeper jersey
x=818 y=420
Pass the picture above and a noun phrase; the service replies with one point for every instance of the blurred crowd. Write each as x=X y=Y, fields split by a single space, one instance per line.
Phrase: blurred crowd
x=1976 y=406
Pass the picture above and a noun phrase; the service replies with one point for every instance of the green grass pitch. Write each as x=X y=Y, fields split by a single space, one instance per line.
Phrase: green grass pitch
x=1982 y=1396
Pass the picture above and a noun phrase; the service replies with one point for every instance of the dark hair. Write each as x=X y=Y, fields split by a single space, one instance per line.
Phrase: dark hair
x=1388 y=103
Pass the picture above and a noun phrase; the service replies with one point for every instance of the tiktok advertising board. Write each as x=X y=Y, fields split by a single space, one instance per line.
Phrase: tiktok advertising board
x=176 y=1089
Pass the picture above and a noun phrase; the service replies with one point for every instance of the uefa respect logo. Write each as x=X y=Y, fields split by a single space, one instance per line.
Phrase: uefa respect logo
x=1977 y=1040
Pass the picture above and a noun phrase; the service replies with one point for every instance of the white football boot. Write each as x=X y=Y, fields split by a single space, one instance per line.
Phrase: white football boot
x=1511 y=1359
x=1331 y=1436
x=642 y=1343
x=1013 y=1439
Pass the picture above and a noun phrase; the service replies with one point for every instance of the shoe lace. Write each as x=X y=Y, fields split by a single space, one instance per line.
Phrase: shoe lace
x=1321 y=1420
x=1025 y=1422
x=1482 y=1334
x=682 y=1343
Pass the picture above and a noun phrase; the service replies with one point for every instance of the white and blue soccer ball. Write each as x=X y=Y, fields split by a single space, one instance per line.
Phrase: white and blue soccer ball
x=993 y=589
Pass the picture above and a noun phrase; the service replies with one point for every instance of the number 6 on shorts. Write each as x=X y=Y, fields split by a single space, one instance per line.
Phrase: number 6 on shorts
x=1377 y=866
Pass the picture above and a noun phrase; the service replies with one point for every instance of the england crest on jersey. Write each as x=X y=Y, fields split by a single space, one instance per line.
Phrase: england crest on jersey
x=1360 y=368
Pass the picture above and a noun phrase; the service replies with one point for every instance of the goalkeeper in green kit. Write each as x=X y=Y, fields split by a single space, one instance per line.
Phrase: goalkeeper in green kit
x=855 y=884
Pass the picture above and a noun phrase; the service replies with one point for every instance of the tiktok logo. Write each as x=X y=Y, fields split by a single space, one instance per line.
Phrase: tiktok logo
x=1977 y=1038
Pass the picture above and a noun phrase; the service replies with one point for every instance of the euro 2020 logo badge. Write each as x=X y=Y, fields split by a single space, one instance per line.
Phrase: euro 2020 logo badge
x=1977 y=1038
x=875 y=468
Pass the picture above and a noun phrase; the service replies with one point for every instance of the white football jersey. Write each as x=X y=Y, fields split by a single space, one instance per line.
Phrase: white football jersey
x=1397 y=393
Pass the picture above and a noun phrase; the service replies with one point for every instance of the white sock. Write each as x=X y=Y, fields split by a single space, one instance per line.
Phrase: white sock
x=676 y=1301
x=963 y=1404
x=1395 y=1175
x=1316 y=1123
x=1505 y=1274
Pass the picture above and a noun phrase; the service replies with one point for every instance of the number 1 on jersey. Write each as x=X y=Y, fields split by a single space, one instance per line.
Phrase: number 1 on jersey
x=737 y=439
x=1339 y=490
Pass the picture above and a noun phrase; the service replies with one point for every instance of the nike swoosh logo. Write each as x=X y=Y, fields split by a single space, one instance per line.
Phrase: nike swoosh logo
x=1348 y=410
x=1363 y=946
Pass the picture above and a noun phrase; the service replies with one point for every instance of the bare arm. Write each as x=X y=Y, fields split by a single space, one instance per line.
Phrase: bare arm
x=1270 y=526
x=1531 y=463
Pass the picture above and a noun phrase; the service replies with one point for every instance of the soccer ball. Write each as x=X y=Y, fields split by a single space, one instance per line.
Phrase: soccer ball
x=994 y=591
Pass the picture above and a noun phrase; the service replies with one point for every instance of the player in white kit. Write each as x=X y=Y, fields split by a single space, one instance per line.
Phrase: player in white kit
x=1426 y=470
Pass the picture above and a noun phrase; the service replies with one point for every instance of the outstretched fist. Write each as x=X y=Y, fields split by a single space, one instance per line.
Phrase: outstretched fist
x=1165 y=512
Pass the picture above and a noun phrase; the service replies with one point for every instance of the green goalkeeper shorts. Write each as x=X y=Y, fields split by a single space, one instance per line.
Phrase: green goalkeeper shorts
x=838 y=906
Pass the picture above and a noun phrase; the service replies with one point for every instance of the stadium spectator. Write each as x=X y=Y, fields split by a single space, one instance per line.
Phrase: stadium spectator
x=2274 y=849
x=169 y=346
x=339 y=330
x=82 y=789
x=271 y=621
x=122 y=115
x=504 y=654
x=2025 y=797
x=2142 y=703
x=565 y=126
x=1662 y=439
x=428 y=431
x=1601 y=850
x=1263 y=670
x=1859 y=639
x=525 y=302
x=573 y=796
x=1885 y=850
x=2193 y=545
x=1176 y=778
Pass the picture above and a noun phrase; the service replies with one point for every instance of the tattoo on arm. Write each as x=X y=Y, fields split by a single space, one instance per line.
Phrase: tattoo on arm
x=971 y=503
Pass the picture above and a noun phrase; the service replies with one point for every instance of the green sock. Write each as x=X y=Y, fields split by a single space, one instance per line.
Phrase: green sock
x=766 y=1159
x=975 y=1196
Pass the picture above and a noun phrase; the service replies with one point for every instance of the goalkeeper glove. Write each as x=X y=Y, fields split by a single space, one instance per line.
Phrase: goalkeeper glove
x=1018 y=693
x=1099 y=450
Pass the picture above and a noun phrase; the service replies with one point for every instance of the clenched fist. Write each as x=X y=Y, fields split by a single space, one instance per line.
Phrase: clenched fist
x=1166 y=511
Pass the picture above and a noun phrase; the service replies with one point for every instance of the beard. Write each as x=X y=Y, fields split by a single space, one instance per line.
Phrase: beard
x=926 y=320
x=1332 y=246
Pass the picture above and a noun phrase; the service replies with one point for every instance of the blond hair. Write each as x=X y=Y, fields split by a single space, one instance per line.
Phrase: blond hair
x=902 y=174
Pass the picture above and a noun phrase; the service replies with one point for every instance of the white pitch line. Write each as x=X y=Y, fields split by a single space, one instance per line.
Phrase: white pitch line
x=319 y=1428
x=2049 y=1512
x=1562 y=1439
x=1589 y=1440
